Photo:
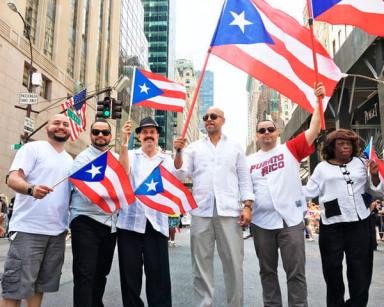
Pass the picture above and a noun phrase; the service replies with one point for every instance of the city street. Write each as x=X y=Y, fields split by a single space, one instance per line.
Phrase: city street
x=182 y=282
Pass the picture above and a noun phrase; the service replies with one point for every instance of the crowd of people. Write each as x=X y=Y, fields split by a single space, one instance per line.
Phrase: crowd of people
x=267 y=183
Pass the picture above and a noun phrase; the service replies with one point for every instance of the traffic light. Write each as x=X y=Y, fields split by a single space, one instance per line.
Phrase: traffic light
x=104 y=108
x=116 y=109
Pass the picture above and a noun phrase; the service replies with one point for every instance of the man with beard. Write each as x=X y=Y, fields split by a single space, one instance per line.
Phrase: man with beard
x=92 y=231
x=142 y=231
x=40 y=217
x=221 y=180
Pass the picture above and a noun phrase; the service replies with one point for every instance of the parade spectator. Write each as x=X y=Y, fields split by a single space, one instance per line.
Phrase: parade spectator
x=220 y=178
x=143 y=231
x=93 y=241
x=174 y=222
x=40 y=218
x=277 y=221
x=341 y=182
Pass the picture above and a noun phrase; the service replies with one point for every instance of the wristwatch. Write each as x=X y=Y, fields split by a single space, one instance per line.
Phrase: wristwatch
x=30 y=190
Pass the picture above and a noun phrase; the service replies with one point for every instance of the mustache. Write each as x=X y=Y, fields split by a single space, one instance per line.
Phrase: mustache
x=149 y=138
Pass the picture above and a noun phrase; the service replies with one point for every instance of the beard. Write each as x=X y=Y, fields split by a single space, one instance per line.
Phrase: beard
x=100 y=143
x=60 y=139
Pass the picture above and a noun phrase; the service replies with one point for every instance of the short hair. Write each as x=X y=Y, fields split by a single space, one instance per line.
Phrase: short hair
x=265 y=120
x=101 y=120
x=328 y=148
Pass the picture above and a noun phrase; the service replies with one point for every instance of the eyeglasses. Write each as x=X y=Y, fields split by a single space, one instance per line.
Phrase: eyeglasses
x=264 y=130
x=212 y=116
x=96 y=132
x=347 y=178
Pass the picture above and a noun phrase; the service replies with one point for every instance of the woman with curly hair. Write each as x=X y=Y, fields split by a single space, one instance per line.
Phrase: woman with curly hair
x=341 y=182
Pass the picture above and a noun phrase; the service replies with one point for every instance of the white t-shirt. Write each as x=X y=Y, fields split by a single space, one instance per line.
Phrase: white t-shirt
x=42 y=165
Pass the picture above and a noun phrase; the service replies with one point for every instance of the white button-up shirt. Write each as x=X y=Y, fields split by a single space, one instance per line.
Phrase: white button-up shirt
x=219 y=173
x=134 y=217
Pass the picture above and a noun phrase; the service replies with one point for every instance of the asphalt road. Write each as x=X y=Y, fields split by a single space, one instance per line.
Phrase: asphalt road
x=182 y=281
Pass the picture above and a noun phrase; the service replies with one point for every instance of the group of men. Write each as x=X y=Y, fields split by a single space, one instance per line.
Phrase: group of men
x=231 y=191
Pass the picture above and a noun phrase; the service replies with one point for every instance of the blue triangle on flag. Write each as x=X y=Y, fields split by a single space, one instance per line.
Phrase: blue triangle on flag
x=143 y=88
x=152 y=185
x=367 y=151
x=93 y=171
x=320 y=6
x=240 y=23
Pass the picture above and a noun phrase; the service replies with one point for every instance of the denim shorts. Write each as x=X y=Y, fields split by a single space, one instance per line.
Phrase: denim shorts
x=33 y=264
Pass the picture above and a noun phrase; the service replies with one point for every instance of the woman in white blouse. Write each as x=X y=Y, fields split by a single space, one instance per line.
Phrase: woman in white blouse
x=342 y=182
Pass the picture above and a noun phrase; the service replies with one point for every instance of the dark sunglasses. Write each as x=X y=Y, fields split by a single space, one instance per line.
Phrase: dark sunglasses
x=212 y=116
x=264 y=130
x=96 y=132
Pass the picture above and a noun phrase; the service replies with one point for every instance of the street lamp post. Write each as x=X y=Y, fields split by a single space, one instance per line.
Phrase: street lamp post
x=27 y=30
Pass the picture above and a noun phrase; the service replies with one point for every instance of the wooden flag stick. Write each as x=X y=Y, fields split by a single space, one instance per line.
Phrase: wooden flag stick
x=195 y=94
x=319 y=99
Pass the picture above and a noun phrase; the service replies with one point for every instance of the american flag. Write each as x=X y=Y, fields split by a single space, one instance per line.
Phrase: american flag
x=155 y=91
x=274 y=48
x=165 y=193
x=75 y=108
x=365 y=14
x=105 y=182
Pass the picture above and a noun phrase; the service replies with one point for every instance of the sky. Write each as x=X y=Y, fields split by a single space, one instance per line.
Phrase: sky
x=195 y=23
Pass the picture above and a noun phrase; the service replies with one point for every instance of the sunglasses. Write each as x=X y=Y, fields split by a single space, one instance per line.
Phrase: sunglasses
x=264 y=130
x=212 y=116
x=96 y=132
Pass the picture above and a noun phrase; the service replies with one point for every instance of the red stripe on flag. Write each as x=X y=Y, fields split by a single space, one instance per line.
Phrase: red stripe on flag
x=107 y=184
x=173 y=94
x=174 y=199
x=155 y=76
x=172 y=179
x=94 y=197
x=261 y=71
x=114 y=164
x=159 y=106
x=154 y=205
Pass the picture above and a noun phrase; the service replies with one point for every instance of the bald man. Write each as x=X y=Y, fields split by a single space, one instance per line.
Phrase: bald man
x=40 y=217
x=222 y=188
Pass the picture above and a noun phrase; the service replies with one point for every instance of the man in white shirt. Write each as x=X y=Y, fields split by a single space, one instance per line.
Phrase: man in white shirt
x=221 y=181
x=277 y=219
x=40 y=217
x=142 y=236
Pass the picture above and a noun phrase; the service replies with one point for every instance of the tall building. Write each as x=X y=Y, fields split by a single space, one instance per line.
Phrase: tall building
x=159 y=28
x=74 y=45
x=185 y=75
x=206 y=97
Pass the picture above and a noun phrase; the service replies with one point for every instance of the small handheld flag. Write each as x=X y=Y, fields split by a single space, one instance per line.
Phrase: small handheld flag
x=370 y=153
x=165 y=193
x=157 y=92
x=105 y=183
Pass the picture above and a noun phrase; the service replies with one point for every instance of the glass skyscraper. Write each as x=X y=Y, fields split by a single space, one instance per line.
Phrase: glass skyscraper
x=159 y=30
x=206 y=97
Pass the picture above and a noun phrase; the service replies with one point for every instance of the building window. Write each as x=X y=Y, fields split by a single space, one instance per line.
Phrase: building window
x=46 y=84
x=31 y=18
x=72 y=37
x=50 y=28
x=84 y=36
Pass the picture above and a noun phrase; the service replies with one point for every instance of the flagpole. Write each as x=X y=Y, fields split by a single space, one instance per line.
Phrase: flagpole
x=319 y=99
x=195 y=94
x=132 y=86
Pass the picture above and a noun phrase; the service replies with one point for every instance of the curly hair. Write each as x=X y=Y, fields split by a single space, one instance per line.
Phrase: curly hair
x=328 y=148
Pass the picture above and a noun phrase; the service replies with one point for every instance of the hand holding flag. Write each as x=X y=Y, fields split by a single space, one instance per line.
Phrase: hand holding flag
x=370 y=153
x=164 y=192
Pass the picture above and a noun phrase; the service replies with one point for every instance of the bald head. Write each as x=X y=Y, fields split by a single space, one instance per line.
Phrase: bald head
x=213 y=121
x=58 y=128
x=60 y=117
x=216 y=110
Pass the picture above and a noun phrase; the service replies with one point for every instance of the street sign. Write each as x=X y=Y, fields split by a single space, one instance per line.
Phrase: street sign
x=28 y=98
x=29 y=125
x=16 y=146
x=72 y=115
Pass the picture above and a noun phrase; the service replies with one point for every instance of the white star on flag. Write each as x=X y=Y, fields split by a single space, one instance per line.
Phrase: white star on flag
x=95 y=170
x=144 y=88
x=152 y=185
x=240 y=21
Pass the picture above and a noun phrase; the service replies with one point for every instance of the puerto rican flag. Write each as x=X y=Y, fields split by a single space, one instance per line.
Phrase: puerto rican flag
x=105 y=183
x=370 y=153
x=165 y=193
x=274 y=48
x=157 y=92
x=75 y=108
x=365 y=14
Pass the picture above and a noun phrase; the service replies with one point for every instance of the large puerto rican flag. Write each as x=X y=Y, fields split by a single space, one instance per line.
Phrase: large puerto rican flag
x=105 y=183
x=365 y=14
x=165 y=193
x=157 y=92
x=274 y=48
